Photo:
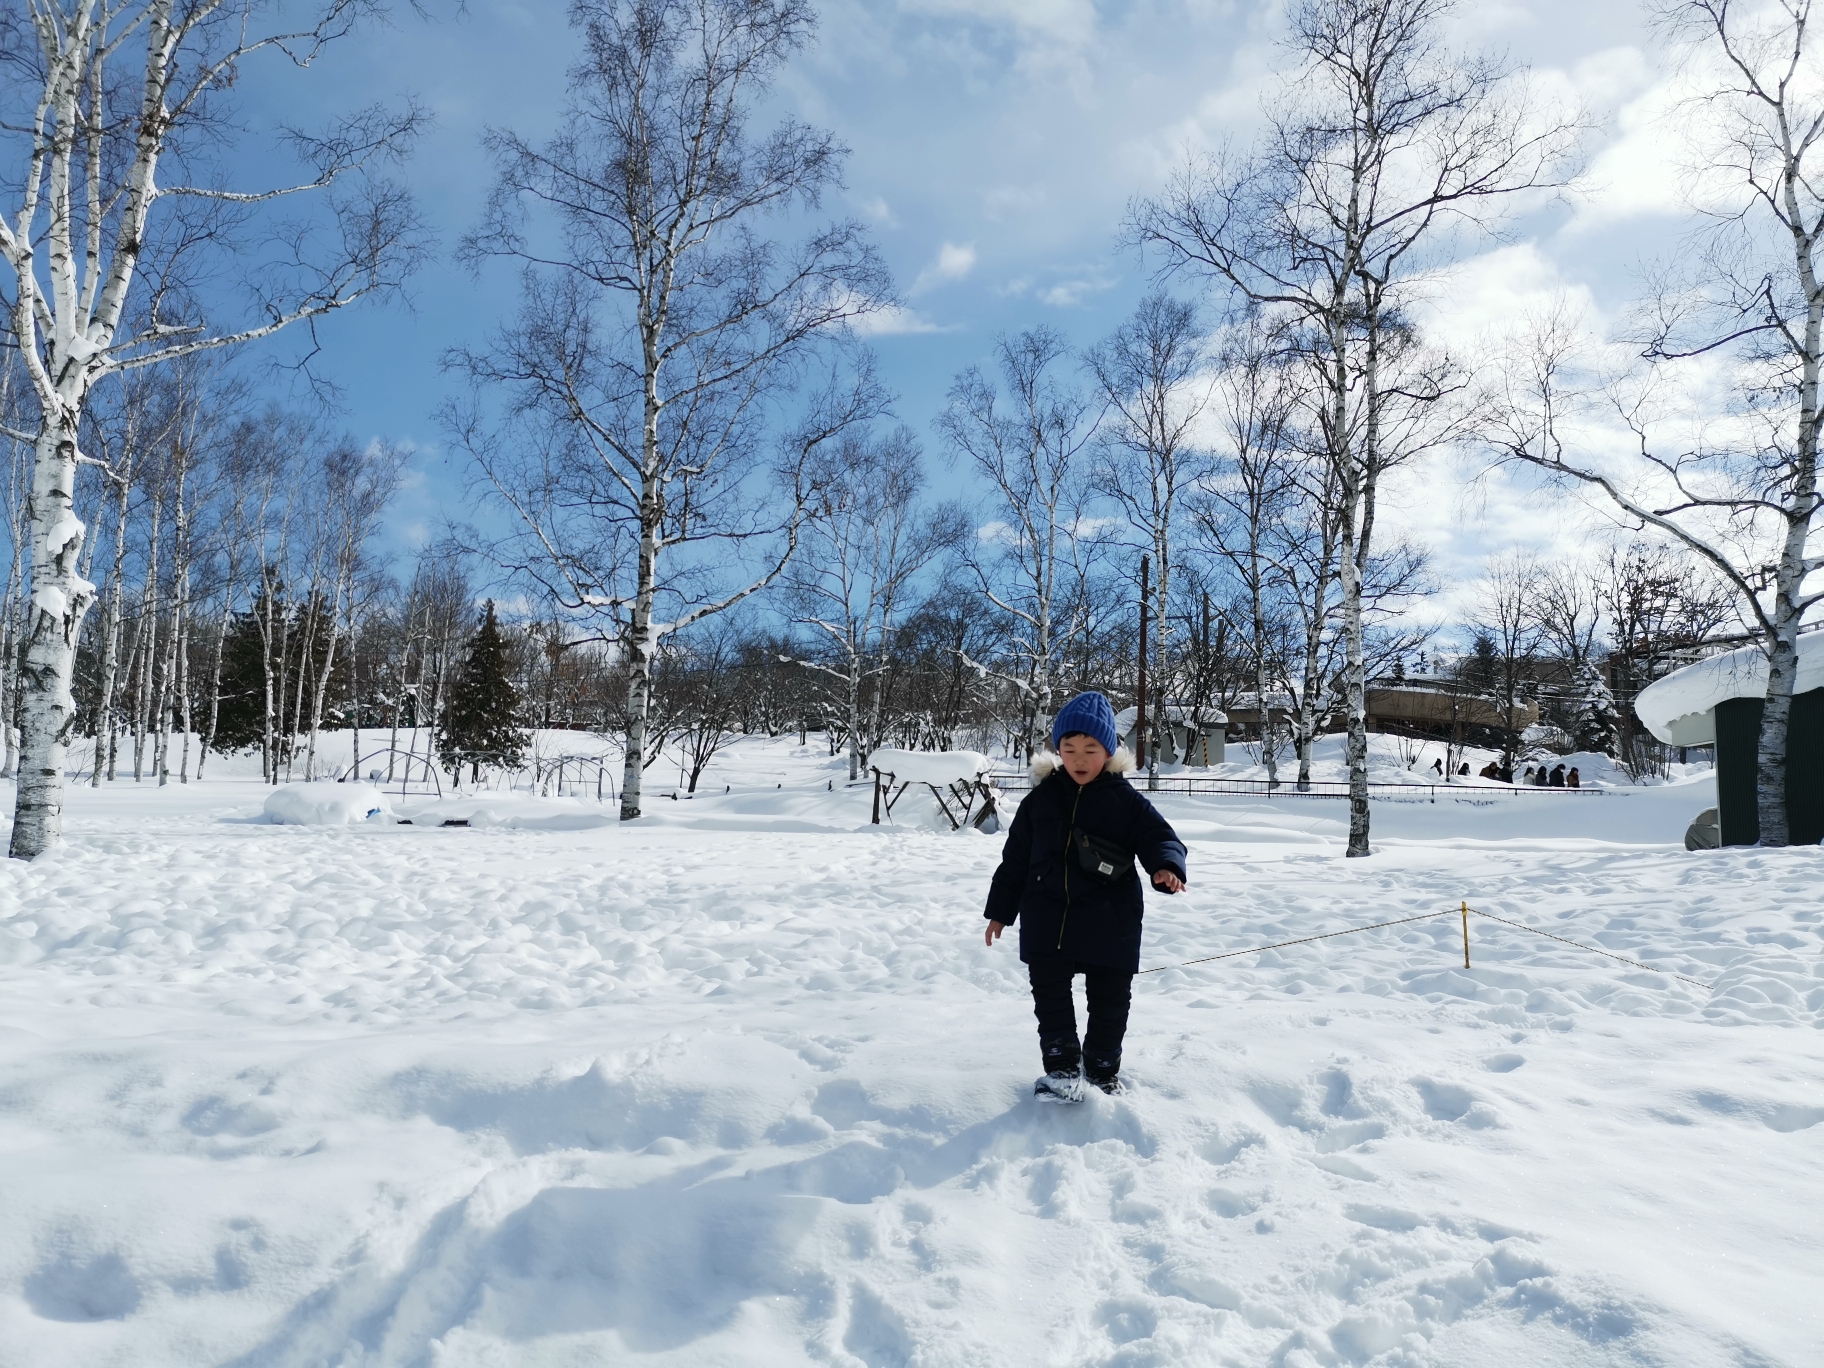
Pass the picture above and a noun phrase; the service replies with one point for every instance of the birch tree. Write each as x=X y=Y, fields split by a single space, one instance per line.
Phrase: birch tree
x=123 y=435
x=355 y=486
x=101 y=98
x=1154 y=376
x=1383 y=150
x=866 y=540
x=1034 y=558
x=1507 y=615
x=1247 y=502
x=663 y=343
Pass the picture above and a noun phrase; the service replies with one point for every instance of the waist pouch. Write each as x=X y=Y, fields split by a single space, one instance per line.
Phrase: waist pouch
x=1103 y=861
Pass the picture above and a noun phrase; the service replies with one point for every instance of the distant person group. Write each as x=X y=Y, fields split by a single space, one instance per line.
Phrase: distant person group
x=1558 y=777
x=1534 y=776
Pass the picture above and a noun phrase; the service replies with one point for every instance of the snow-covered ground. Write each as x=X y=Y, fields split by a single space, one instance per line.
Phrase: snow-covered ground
x=739 y=1084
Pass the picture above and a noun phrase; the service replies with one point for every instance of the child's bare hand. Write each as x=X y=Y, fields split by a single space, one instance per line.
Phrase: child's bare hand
x=1170 y=882
x=993 y=933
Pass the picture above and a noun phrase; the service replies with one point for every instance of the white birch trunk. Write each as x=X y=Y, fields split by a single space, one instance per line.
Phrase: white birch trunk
x=269 y=757
x=1358 y=533
x=1162 y=630
x=1269 y=751
x=60 y=597
x=110 y=644
x=322 y=691
x=641 y=638
x=854 y=703
x=148 y=641
x=215 y=672
x=8 y=681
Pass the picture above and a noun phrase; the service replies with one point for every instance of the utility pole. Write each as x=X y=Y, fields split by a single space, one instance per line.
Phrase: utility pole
x=1140 y=710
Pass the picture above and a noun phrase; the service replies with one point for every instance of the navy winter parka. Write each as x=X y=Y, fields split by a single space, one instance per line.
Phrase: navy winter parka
x=1061 y=908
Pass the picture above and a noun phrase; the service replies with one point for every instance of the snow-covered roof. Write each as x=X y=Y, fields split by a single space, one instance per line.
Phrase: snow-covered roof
x=1248 y=702
x=1432 y=684
x=1680 y=709
x=1171 y=712
x=929 y=767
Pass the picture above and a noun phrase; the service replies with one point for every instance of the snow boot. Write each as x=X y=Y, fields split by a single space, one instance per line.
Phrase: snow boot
x=1104 y=1074
x=1063 y=1081
x=1060 y=1087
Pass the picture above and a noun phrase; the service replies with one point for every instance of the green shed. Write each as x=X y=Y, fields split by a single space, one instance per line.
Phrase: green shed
x=1718 y=702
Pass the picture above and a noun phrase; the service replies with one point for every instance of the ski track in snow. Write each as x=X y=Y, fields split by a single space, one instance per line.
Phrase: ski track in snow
x=704 y=1092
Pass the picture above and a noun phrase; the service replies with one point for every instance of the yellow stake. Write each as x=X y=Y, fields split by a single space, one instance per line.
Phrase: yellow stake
x=1466 y=935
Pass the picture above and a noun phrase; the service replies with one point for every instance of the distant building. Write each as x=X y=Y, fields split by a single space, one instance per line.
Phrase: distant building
x=1182 y=743
x=1244 y=714
x=1443 y=708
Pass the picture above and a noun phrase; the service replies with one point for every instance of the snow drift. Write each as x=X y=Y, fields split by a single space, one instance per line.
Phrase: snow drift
x=323 y=802
x=521 y=811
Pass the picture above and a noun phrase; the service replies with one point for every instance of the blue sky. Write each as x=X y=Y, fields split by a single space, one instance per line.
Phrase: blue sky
x=995 y=146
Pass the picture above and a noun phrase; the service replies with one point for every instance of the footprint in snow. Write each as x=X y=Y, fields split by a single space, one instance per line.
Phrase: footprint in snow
x=1228 y=1203
x=1220 y=1150
x=1127 y=1319
x=1788 y=1118
x=103 y=1288
x=1383 y=1218
x=1348 y=1135
x=1448 y=1102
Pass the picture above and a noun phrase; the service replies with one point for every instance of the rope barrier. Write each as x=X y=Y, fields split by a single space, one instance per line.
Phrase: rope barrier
x=1652 y=969
x=1306 y=940
x=1465 y=910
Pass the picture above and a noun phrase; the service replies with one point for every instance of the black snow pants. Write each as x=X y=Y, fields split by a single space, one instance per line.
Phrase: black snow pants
x=1109 y=992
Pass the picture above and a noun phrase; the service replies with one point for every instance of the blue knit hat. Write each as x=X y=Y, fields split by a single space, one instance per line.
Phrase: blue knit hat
x=1090 y=714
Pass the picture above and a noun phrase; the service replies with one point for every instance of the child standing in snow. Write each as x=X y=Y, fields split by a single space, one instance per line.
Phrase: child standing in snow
x=1067 y=876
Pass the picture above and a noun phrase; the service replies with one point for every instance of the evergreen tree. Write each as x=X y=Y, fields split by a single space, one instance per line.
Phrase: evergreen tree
x=241 y=719
x=480 y=718
x=1596 y=724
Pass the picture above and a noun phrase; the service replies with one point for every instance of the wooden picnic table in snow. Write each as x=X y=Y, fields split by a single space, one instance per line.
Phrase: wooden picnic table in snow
x=961 y=777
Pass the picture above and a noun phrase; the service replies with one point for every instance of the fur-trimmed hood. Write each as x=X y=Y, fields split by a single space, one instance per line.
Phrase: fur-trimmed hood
x=1047 y=763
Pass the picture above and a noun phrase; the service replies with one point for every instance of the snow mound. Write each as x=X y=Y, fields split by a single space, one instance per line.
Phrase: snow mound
x=519 y=811
x=1679 y=709
x=323 y=802
x=930 y=767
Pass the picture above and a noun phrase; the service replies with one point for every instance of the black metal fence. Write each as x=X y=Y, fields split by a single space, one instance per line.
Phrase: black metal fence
x=1197 y=786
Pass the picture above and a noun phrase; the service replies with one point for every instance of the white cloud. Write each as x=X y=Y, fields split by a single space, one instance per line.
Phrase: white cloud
x=1489 y=296
x=1639 y=171
x=1672 y=149
x=895 y=321
x=953 y=263
x=997 y=533
x=877 y=210
x=1054 y=23
x=1068 y=294
x=1013 y=201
